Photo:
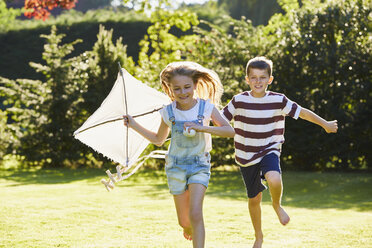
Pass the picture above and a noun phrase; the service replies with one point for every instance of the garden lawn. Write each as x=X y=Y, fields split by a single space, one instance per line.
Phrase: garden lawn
x=71 y=208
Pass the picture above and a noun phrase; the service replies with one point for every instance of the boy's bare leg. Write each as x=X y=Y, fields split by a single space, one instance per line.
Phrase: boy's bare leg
x=254 y=205
x=274 y=179
x=197 y=192
x=183 y=208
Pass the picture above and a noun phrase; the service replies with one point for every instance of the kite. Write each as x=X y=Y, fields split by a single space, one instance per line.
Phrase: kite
x=105 y=132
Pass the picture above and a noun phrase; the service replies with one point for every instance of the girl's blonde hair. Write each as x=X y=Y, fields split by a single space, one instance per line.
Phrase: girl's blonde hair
x=208 y=84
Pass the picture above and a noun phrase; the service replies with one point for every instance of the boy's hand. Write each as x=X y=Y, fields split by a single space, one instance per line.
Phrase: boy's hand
x=331 y=126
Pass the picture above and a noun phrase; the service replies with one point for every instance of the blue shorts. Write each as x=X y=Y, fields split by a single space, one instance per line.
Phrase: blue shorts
x=253 y=174
x=183 y=171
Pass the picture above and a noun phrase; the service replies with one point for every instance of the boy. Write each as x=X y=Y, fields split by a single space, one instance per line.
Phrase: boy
x=259 y=126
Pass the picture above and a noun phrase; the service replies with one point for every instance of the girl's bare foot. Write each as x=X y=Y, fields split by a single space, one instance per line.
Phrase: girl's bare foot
x=257 y=244
x=187 y=233
x=258 y=241
x=282 y=215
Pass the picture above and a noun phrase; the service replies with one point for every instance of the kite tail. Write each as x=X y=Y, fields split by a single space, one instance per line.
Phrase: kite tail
x=120 y=169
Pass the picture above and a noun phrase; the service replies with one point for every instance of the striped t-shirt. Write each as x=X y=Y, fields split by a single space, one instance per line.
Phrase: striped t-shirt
x=259 y=124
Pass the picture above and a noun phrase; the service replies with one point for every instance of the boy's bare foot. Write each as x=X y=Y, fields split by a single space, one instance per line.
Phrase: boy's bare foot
x=282 y=215
x=187 y=233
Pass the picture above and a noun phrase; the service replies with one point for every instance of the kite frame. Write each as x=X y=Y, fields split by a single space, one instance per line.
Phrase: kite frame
x=120 y=169
x=126 y=113
x=117 y=119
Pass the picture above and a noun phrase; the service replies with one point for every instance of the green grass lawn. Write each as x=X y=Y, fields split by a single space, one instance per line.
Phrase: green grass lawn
x=71 y=208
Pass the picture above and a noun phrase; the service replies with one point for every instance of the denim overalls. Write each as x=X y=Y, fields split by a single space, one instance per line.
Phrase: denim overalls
x=186 y=161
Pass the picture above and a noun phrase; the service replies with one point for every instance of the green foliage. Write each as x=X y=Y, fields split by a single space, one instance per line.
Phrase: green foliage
x=225 y=50
x=22 y=100
x=210 y=11
x=321 y=54
x=71 y=17
x=160 y=47
x=7 y=16
x=103 y=68
x=5 y=136
x=146 y=5
x=91 y=4
x=325 y=61
x=14 y=54
x=289 y=5
x=44 y=114
x=76 y=86
x=320 y=49
x=47 y=138
x=259 y=12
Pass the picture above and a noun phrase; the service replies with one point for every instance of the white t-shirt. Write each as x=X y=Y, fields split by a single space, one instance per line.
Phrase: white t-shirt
x=190 y=115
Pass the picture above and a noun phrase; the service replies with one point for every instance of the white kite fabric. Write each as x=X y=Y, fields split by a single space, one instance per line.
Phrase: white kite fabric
x=104 y=131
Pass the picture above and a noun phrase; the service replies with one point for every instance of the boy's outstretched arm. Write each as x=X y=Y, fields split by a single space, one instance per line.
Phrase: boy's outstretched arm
x=329 y=126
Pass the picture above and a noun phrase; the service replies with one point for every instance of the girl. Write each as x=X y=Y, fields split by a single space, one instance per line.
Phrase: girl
x=194 y=91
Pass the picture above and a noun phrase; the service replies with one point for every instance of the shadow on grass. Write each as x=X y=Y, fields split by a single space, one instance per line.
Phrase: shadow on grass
x=19 y=177
x=301 y=189
x=47 y=176
x=328 y=190
x=305 y=189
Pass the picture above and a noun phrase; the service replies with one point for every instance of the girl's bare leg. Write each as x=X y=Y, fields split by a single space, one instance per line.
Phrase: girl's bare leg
x=197 y=192
x=254 y=206
x=274 y=179
x=182 y=203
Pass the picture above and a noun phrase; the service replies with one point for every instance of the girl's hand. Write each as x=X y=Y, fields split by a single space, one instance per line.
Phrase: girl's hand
x=192 y=125
x=331 y=126
x=129 y=121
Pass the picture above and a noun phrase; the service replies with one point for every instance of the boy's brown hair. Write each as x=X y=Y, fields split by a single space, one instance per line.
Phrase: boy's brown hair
x=260 y=62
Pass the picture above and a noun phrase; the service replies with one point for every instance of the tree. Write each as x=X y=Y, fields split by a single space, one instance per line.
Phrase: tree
x=259 y=12
x=322 y=58
x=46 y=137
x=225 y=50
x=40 y=9
x=42 y=115
x=160 y=46
x=103 y=69
x=7 y=15
x=323 y=53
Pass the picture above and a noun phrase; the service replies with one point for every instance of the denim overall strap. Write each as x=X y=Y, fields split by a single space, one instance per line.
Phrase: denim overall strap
x=171 y=114
x=201 y=111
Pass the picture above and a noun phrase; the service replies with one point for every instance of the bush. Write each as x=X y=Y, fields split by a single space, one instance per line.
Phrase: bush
x=323 y=61
x=22 y=42
x=321 y=54
x=44 y=114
